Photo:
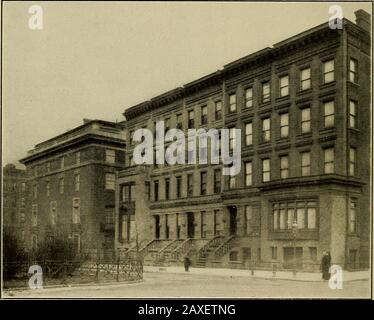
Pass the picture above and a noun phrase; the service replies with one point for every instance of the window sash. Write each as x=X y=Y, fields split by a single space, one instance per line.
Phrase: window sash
x=248 y=173
x=328 y=71
x=284 y=126
x=266 y=92
x=284 y=86
x=249 y=98
x=232 y=102
x=248 y=134
x=305 y=79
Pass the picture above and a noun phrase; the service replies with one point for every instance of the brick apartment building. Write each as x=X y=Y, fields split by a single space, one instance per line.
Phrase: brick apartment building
x=304 y=108
x=71 y=183
x=14 y=201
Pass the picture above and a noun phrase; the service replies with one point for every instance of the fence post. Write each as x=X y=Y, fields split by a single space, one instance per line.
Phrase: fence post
x=252 y=268
x=274 y=270
x=117 y=268
x=97 y=264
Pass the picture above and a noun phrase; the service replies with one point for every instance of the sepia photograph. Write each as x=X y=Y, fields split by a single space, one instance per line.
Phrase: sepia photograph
x=179 y=150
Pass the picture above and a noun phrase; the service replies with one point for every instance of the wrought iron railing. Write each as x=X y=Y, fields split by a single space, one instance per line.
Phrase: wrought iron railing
x=224 y=247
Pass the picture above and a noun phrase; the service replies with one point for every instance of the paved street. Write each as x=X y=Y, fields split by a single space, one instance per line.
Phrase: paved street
x=162 y=284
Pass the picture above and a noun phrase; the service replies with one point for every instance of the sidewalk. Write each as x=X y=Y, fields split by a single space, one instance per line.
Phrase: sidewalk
x=260 y=274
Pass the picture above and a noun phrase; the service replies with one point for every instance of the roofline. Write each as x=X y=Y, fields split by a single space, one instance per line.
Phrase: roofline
x=185 y=89
x=70 y=143
x=108 y=123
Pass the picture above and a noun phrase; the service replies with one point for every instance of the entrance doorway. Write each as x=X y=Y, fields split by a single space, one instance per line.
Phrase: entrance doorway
x=157 y=227
x=233 y=225
x=190 y=225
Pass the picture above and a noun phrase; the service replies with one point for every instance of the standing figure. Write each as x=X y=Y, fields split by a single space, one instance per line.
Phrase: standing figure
x=325 y=265
x=187 y=263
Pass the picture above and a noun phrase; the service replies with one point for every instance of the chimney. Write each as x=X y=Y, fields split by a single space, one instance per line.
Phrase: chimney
x=85 y=120
x=363 y=19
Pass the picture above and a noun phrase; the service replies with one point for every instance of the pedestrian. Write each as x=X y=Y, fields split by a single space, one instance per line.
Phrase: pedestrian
x=187 y=263
x=325 y=265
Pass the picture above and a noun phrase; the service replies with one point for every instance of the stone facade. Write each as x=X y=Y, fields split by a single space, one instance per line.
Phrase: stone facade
x=307 y=187
x=71 y=183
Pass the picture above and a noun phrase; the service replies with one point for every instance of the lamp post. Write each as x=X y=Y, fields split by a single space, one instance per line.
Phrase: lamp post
x=294 y=231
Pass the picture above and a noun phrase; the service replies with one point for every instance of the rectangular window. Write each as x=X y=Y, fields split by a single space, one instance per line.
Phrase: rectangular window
x=232 y=137
x=352 y=161
x=191 y=119
x=284 y=125
x=275 y=217
x=203 y=183
x=204 y=115
x=353 y=70
x=248 y=219
x=61 y=185
x=62 y=163
x=305 y=120
x=217 y=181
x=312 y=217
x=232 y=102
x=300 y=216
x=77 y=181
x=329 y=160
x=248 y=134
x=328 y=71
x=179 y=124
x=249 y=98
x=265 y=170
x=155 y=190
x=76 y=210
x=53 y=212
x=352 y=217
x=167 y=189
x=284 y=167
x=78 y=157
x=274 y=253
x=305 y=163
x=126 y=192
x=179 y=187
x=110 y=156
x=352 y=114
x=248 y=173
x=266 y=130
x=265 y=92
x=218 y=110
x=284 y=86
x=282 y=217
x=329 y=117
x=190 y=185
x=34 y=215
x=202 y=224
x=110 y=181
x=148 y=190
x=305 y=79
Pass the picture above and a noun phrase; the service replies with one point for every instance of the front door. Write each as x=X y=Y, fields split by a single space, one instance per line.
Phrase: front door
x=233 y=226
x=190 y=225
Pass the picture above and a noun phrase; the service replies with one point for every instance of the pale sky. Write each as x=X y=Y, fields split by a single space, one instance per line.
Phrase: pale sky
x=93 y=60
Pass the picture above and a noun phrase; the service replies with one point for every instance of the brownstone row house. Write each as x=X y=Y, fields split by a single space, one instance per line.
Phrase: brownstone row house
x=303 y=107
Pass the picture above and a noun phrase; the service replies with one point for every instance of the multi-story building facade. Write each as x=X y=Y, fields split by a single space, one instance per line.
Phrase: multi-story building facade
x=14 y=201
x=303 y=107
x=71 y=180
